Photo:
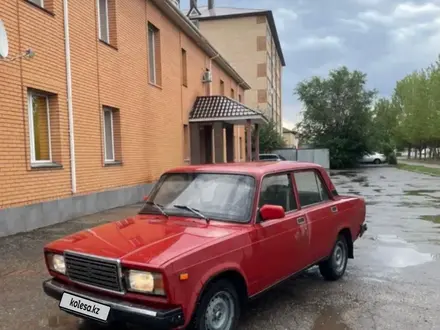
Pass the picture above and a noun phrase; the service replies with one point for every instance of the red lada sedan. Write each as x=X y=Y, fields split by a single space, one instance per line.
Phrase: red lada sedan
x=207 y=239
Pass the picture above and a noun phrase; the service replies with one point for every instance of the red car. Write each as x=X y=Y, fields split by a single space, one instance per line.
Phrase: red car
x=207 y=239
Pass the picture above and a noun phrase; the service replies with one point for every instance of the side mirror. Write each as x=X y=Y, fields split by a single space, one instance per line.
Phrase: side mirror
x=271 y=212
x=145 y=198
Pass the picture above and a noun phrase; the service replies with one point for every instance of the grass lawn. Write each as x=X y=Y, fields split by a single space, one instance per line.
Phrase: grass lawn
x=420 y=169
x=433 y=218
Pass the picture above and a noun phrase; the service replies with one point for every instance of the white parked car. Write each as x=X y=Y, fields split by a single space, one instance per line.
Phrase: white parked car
x=375 y=158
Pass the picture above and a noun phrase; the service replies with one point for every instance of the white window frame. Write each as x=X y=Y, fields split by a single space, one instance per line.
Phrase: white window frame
x=38 y=3
x=152 y=75
x=109 y=160
x=107 y=21
x=31 y=129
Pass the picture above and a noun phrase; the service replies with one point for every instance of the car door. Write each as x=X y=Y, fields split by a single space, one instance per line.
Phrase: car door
x=279 y=244
x=320 y=212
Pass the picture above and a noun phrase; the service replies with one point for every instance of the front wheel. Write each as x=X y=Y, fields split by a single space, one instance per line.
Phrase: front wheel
x=219 y=308
x=333 y=268
x=377 y=161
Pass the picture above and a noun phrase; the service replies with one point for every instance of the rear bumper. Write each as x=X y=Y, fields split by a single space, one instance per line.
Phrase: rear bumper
x=120 y=311
x=363 y=229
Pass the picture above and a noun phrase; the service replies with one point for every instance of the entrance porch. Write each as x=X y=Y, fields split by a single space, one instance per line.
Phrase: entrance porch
x=212 y=120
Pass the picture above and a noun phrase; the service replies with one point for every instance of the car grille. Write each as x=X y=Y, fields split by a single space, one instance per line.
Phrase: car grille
x=93 y=271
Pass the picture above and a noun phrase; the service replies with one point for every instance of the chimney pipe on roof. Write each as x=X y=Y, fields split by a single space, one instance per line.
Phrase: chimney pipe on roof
x=210 y=4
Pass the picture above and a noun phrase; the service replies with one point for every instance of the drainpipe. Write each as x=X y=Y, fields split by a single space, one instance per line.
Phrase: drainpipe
x=69 y=96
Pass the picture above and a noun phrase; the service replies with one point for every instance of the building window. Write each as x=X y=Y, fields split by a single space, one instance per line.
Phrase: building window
x=232 y=93
x=104 y=28
x=184 y=69
x=239 y=98
x=222 y=87
x=154 y=54
x=109 y=140
x=39 y=128
x=47 y=5
x=112 y=136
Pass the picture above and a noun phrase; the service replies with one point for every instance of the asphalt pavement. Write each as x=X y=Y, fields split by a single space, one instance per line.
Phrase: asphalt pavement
x=393 y=282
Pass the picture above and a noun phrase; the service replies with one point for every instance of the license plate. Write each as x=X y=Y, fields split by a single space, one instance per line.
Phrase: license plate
x=85 y=307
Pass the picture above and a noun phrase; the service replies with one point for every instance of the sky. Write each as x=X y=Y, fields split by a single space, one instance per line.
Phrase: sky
x=386 y=39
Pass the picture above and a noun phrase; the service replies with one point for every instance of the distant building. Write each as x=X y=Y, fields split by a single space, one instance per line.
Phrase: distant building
x=248 y=39
x=290 y=138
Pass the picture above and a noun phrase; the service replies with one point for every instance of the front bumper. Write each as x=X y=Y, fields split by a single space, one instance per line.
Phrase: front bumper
x=120 y=311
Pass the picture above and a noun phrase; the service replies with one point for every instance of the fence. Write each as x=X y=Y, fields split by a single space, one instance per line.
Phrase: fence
x=310 y=155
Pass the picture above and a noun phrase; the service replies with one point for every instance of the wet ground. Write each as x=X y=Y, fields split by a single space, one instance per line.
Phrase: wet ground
x=393 y=282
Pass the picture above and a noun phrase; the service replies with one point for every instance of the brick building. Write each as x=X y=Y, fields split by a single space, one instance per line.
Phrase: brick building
x=106 y=106
x=248 y=39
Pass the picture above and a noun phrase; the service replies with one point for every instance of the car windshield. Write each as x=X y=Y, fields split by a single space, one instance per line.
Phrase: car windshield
x=216 y=196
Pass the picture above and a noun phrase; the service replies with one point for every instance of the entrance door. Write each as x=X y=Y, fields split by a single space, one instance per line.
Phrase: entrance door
x=206 y=144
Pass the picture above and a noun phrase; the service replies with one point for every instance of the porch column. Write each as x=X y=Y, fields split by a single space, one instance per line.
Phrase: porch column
x=218 y=142
x=249 y=140
x=194 y=132
x=230 y=148
x=257 y=142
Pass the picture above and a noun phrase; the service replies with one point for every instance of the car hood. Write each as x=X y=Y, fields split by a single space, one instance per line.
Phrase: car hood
x=144 y=239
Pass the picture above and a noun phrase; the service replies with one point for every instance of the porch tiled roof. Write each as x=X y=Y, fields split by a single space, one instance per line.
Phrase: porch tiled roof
x=221 y=107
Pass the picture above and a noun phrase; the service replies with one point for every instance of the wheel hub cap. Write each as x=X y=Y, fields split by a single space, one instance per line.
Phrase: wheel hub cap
x=220 y=312
x=339 y=258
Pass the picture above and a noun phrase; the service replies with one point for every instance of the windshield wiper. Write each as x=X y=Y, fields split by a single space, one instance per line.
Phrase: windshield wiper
x=193 y=210
x=158 y=206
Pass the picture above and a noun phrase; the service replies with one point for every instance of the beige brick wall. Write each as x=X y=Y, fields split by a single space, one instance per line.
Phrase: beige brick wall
x=246 y=43
x=151 y=118
x=236 y=39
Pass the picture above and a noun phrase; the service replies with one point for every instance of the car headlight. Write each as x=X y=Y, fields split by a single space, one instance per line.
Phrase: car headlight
x=145 y=282
x=56 y=263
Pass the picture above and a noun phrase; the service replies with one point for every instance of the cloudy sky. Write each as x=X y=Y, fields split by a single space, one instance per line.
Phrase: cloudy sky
x=387 y=39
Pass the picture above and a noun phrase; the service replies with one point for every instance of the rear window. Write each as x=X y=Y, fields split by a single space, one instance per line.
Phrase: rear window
x=311 y=189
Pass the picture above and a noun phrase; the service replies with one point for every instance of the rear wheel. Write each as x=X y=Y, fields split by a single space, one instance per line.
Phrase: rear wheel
x=377 y=161
x=334 y=267
x=219 y=308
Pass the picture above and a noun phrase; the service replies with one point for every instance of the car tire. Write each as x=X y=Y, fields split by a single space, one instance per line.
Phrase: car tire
x=377 y=161
x=218 y=308
x=334 y=267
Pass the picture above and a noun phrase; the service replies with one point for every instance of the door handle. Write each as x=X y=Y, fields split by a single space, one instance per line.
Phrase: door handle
x=301 y=220
x=334 y=209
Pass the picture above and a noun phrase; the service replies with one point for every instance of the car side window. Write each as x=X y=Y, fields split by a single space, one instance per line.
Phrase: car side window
x=311 y=189
x=278 y=190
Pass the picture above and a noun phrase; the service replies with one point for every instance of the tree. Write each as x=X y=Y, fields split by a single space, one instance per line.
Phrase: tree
x=270 y=138
x=338 y=115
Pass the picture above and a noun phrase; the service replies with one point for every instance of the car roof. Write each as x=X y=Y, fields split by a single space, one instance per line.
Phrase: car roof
x=252 y=168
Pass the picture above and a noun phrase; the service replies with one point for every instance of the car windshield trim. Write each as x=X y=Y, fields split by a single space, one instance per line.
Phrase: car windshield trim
x=250 y=213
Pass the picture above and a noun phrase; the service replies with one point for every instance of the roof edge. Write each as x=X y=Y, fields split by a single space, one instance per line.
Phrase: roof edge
x=271 y=21
x=180 y=19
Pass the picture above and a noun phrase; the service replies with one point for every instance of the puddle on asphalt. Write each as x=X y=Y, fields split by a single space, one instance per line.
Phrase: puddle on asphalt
x=330 y=319
x=397 y=253
x=432 y=218
x=402 y=257
x=378 y=190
